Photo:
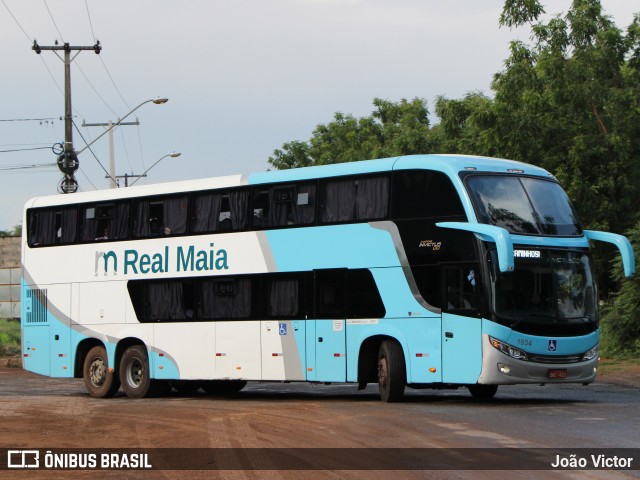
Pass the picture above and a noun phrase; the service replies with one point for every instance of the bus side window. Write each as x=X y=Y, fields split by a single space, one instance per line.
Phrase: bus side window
x=355 y=199
x=462 y=290
x=51 y=227
x=260 y=206
x=225 y=298
x=363 y=297
x=66 y=221
x=220 y=212
x=424 y=194
x=42 y=227
x=283 y=209
x=158 y=217
x=283 y=297
x=206 y=212
x=235 y=211
x=284 y=205
x=330 y=293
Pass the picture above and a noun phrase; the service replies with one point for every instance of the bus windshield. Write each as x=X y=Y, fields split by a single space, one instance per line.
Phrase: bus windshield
x=546 y=287
x=523 y=205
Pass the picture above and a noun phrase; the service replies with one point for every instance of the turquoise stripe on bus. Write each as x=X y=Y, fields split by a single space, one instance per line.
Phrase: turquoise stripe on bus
x=311 y=248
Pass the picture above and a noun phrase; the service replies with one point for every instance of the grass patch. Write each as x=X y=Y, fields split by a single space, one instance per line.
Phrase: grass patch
x=9 y=337
x=615 y=365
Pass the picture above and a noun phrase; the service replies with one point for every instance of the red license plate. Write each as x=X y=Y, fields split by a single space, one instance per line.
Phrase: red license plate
x=557 y=373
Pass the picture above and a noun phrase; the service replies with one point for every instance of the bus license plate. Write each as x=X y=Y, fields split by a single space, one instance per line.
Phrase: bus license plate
x=557 y=373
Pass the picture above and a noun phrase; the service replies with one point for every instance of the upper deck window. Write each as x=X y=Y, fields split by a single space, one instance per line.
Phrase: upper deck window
x=52 y=226
x=424 y=194
x=354 y=199
x=105 y=221
x=220 y=211
x=523 y=205
x=164 y=216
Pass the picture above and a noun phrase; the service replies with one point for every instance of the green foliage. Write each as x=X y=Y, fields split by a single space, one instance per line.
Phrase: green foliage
x=392 y=129
x=519 y=12
x=9 y=337
x=16 y=232
x=621 y=318
x=569 y=102
x=465 y=125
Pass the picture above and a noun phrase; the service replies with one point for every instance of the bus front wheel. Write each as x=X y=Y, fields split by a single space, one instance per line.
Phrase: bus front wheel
x=482 y=392
x=391 y=371
x=99 y=381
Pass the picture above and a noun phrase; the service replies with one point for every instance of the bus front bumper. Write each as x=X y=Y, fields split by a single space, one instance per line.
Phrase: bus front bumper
x=501 y=369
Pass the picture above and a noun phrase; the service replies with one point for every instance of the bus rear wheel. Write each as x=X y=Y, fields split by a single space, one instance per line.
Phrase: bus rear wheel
x=392 y=375
x=98 y=380
x=134 y=372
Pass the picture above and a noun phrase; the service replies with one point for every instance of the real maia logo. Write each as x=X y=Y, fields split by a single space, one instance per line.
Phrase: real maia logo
x=183 y=259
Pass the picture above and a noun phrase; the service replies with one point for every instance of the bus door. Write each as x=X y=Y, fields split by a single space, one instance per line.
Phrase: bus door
x=326 y=337
x=461 y=324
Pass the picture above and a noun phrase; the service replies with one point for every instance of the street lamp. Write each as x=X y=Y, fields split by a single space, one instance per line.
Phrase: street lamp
x=157 y=101
x=138 y=177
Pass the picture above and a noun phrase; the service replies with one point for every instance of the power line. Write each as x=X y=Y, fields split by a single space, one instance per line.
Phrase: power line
x=17 y=22
x=24 y=149
x=90 y=22
x=87 y=178
x=52 y=77
x=29 y=119
x=26 y=167
x=94 y=89
x=91 y=150
x=41 y=144
x=114 y=83
x=53 y=20
x=86 y=3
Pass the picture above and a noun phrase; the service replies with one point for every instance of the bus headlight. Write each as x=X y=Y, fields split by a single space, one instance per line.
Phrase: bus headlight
x=508 y=349
x=591 y=353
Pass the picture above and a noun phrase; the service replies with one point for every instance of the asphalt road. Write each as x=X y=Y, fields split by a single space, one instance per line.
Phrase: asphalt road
x=42 y=413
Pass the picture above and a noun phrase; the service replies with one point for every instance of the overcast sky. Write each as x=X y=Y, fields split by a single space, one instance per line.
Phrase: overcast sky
x=242 y=76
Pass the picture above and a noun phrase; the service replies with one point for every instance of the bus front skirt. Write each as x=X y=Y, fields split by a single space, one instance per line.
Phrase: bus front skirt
x=500 y=369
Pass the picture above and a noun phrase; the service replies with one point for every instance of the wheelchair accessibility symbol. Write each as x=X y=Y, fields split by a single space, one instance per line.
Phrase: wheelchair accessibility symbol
x=282 y=328
x=552 y=345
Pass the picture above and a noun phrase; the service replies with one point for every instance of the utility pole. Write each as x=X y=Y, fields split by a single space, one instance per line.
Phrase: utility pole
x=112 y=162
x=126 y=177
x=68 y=160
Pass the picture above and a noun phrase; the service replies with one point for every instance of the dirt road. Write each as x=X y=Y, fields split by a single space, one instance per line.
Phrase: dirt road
x=44 y=413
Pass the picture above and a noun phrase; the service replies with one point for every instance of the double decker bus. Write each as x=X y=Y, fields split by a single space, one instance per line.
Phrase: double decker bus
x=426 y=271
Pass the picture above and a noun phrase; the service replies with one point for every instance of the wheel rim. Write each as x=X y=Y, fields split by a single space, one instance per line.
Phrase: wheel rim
x=134 y=373
x=383 y=373
x=97 y=372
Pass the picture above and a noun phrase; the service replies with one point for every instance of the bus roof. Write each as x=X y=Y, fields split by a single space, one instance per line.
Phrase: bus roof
x=449 y=164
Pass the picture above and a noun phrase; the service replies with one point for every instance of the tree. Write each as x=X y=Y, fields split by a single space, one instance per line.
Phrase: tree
x=16 y=232
x=465 y=125
x=392 y=129
x=568 y=102
x=621 y=319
